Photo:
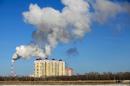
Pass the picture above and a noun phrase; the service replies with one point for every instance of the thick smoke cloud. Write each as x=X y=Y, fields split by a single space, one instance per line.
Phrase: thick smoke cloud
x=72 y=51
x=27 y=51
x=53 y=26
x=126 y=7
x=71 y=23
x=107 y=9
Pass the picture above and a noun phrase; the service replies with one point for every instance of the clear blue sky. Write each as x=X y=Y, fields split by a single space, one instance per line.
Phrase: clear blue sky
x=105 y=48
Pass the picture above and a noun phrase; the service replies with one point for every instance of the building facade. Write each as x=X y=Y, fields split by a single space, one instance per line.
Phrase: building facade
x=47 y=68
x=69 y=71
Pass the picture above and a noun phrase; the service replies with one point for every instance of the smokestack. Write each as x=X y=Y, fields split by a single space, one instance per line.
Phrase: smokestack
x=12 y=69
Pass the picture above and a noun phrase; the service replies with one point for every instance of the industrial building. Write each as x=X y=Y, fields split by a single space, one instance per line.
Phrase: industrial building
x=47 y=68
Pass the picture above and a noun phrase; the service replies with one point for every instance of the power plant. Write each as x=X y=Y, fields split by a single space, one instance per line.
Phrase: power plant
x=47 y=68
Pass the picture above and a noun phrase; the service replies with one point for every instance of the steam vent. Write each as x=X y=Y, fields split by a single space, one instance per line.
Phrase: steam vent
x=48 y=68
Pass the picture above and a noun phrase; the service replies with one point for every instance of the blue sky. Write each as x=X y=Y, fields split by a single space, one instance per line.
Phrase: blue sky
x=105 y=48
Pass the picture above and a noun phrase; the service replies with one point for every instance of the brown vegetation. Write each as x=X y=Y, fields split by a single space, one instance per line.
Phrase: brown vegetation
x=87 y=76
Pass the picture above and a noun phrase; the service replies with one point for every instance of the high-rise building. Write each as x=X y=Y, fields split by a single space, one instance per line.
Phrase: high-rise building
x=46 y=68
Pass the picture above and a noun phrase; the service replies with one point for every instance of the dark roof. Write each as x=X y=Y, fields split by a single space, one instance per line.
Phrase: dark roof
x=60 y=59
x=53 y=59
x=39 y=59
x=46 y=58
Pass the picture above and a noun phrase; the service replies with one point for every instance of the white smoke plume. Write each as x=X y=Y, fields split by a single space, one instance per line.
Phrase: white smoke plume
x=104 y=10
x=71 y=23
x=27 y=51
x=53 y=26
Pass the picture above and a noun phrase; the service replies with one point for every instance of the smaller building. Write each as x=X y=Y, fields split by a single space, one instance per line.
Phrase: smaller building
x=69 y=71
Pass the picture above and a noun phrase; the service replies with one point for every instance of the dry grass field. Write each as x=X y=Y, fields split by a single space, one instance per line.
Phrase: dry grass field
x=61 y=82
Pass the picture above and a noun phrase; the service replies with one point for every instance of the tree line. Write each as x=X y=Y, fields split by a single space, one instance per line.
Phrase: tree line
x=86 y=76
